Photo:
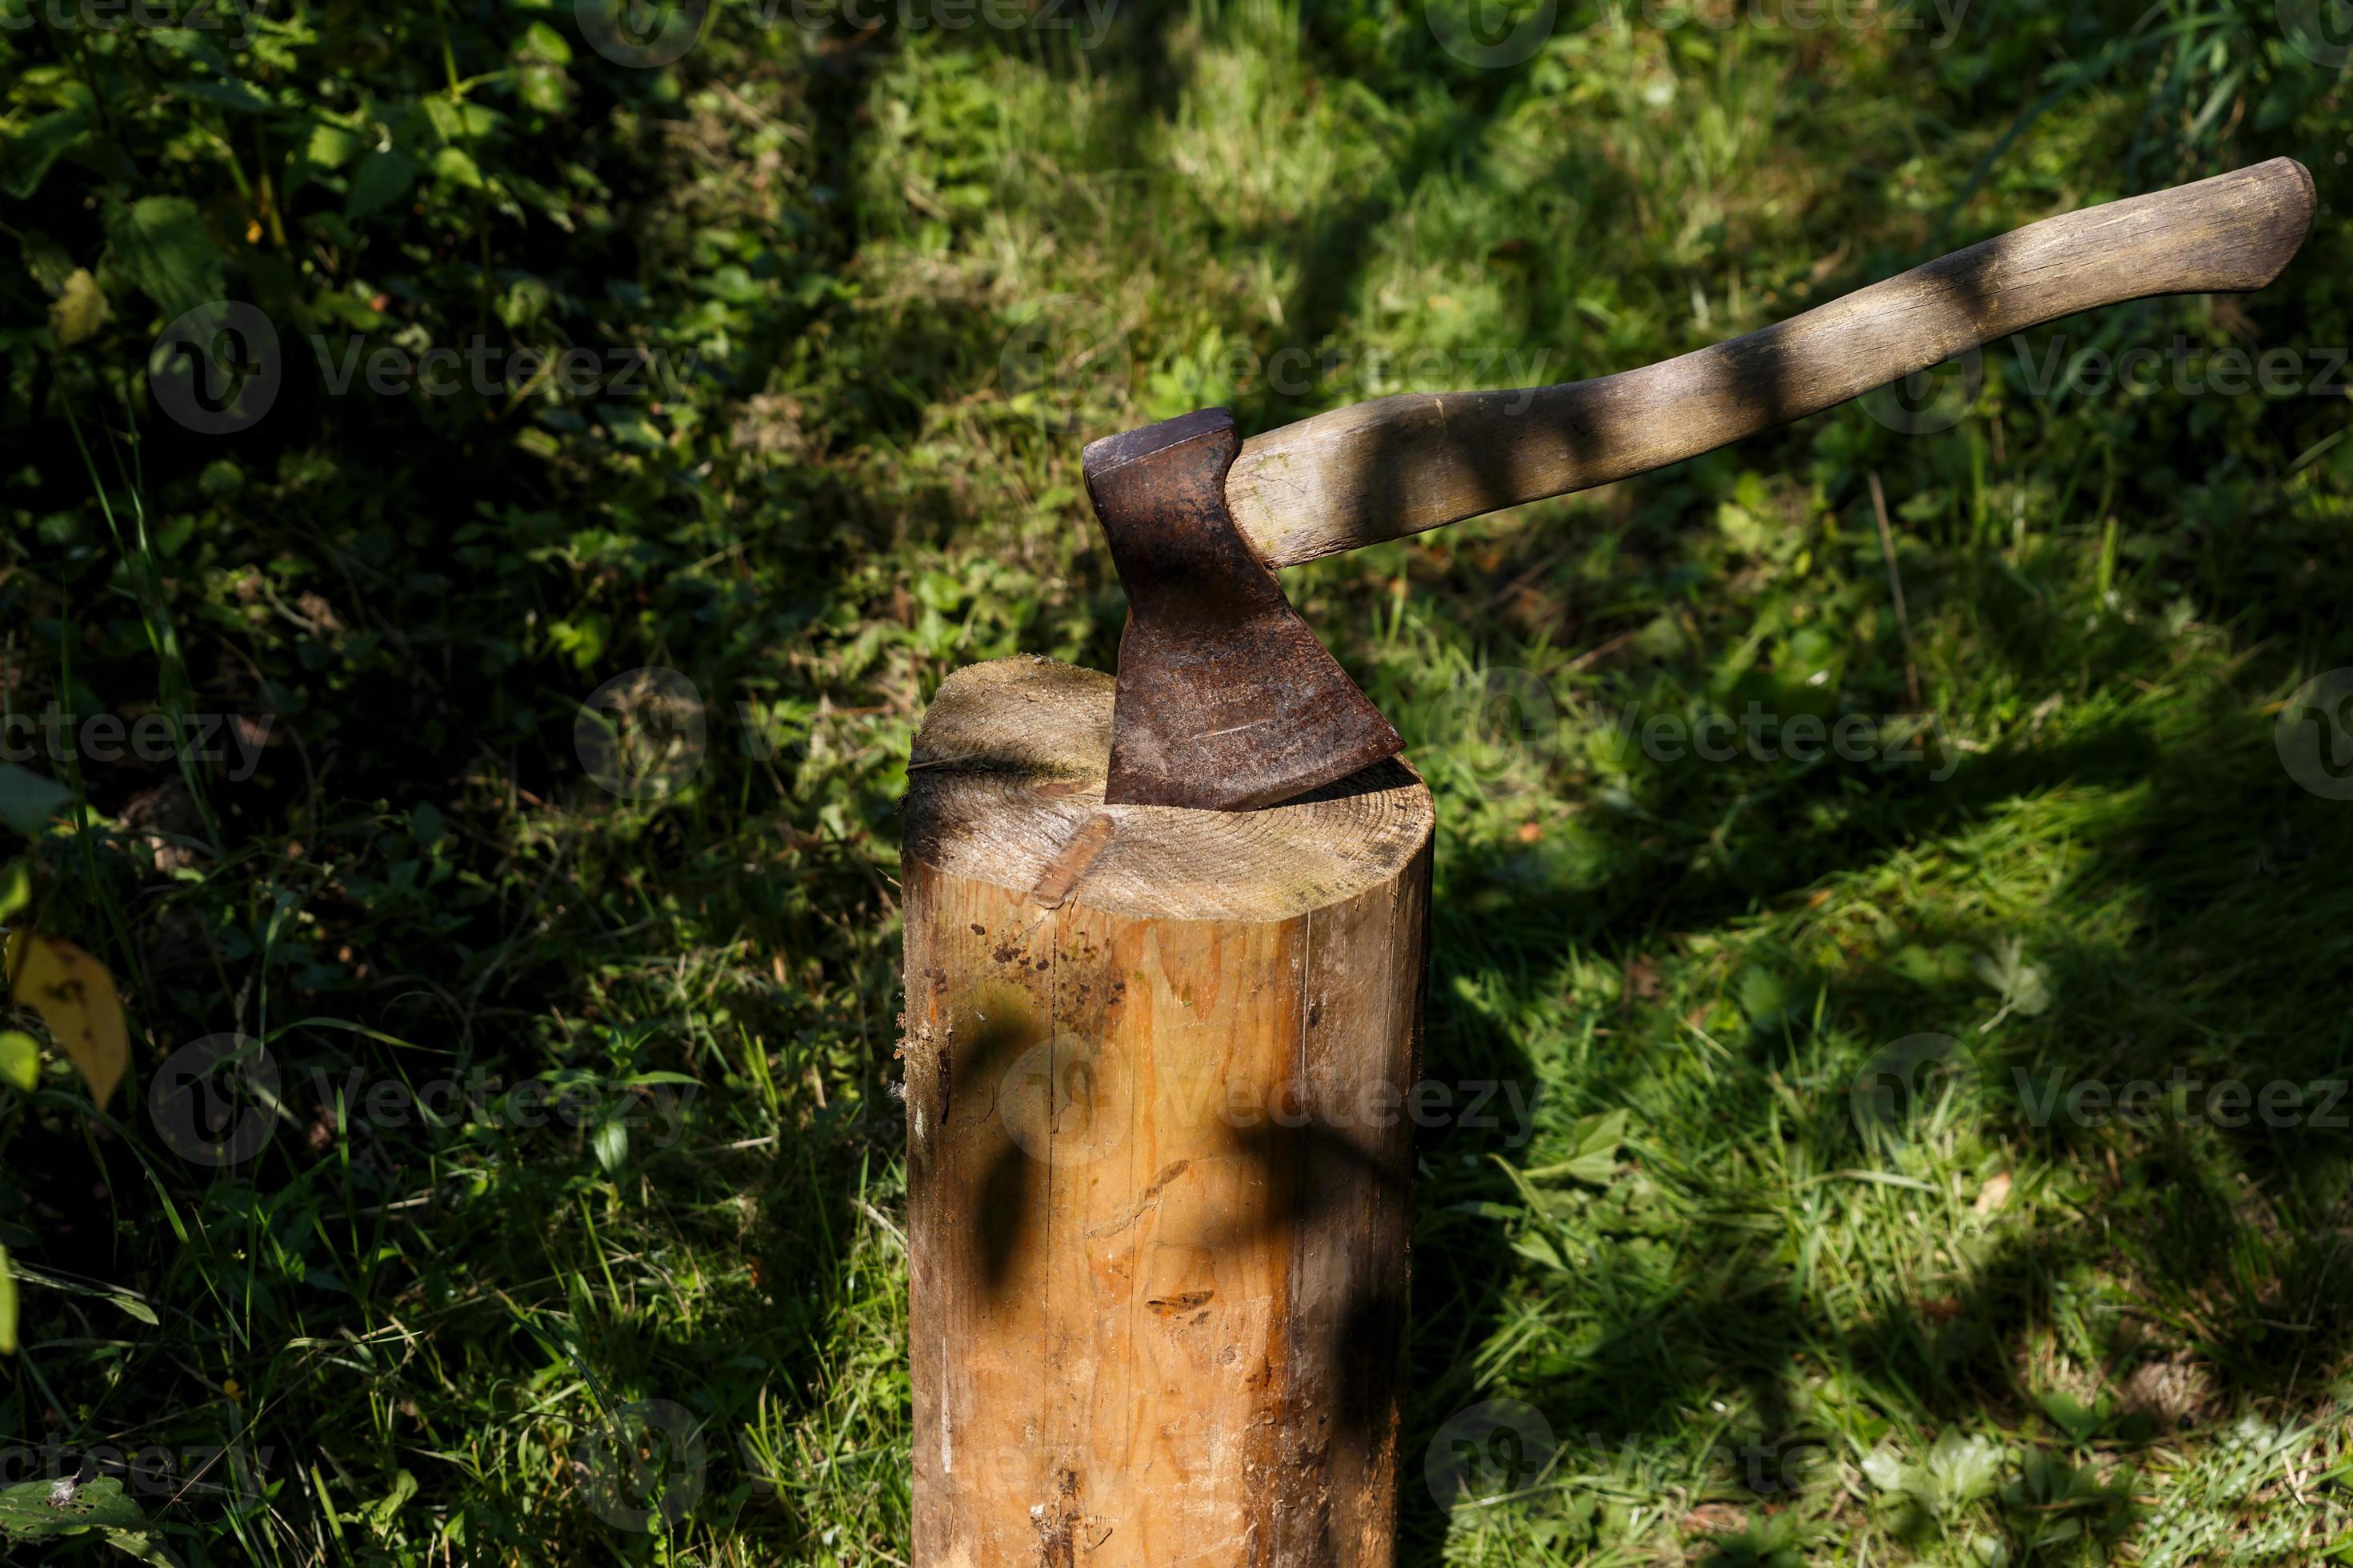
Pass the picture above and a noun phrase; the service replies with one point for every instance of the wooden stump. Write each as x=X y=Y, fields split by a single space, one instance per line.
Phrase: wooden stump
x=1159 y=1160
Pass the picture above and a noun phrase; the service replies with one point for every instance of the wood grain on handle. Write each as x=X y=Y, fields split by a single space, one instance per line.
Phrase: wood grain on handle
x=1399 y=465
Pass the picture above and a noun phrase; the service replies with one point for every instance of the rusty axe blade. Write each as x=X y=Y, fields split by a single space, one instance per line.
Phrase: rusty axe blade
x=1226 y=701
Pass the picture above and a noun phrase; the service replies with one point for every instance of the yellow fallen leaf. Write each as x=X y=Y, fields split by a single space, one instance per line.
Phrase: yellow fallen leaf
x=79 y=310
x=75 y=996
x=1994 y=1193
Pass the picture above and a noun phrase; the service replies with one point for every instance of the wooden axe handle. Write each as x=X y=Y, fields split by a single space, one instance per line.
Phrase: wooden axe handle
x=1399 y=465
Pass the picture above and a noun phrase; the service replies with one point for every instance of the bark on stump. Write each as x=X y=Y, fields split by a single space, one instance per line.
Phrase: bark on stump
x=1159 y=1163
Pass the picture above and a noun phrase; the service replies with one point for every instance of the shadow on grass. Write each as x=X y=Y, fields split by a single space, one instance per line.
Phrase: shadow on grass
x=2228 y=1239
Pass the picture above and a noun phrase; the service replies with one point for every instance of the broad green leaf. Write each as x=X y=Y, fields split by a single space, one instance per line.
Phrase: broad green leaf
x=127 y=1300
x=142 y=1546
x=612 y=1144
x=134 y=1307
x=2071 y=1415
x=46 y=260
x=1593 y=1170
x=75 y=996
x=331 y=146
x=543 y=87
x=160 y=245
x=386 y=1508
x=381 y=179
x=1761 y=997
x=1600 y=1134
x=1539 y=1248
x=33 y=1510
x=543 y=42
x=1595 y=1142
x=1944 y=966
x=25 y=157
x=79 y=310
x=20 y=1059
x=228 y=94
x=457 y=166
x=454 y=121
x=350 y=311
x=27 y=799
x=539 y=75
x=1962 y=1469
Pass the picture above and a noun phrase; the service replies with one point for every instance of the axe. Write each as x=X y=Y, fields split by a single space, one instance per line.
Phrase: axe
x=1227 y=701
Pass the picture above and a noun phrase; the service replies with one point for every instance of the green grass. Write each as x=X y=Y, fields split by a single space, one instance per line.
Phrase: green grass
x=912 y=273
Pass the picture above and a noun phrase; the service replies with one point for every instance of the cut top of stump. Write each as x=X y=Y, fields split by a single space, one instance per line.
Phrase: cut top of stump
x=1006 y=786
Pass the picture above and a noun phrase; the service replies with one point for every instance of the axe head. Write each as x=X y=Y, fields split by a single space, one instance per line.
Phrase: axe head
x=1226 y=701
